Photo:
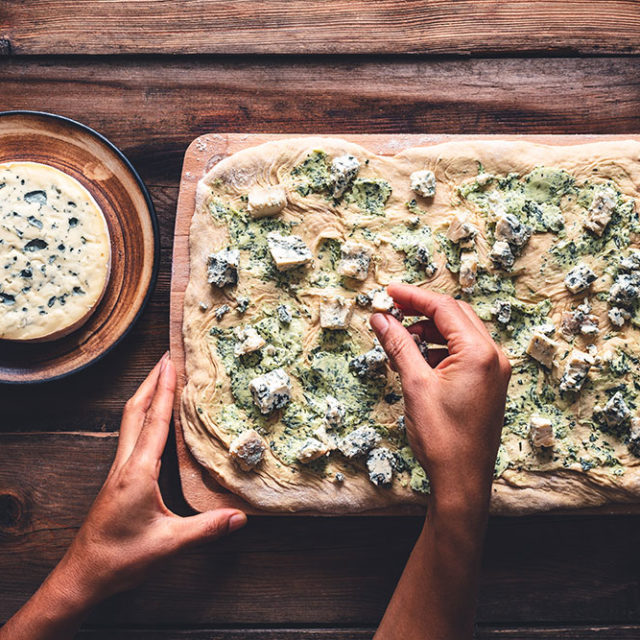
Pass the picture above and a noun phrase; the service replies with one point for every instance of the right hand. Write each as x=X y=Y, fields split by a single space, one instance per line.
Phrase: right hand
x=454 y=405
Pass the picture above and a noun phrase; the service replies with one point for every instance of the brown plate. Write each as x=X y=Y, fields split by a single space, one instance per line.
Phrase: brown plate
x=111 y=179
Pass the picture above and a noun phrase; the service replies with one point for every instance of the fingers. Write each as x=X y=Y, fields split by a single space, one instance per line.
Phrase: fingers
x=450 y=320
x=398 y=344
x=153 y=435
x=426 y=330
x=207 y=526
x=134 y=412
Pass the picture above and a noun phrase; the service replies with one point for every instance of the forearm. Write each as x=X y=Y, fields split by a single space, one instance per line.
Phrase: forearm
x=435 y=598
x=54 y=612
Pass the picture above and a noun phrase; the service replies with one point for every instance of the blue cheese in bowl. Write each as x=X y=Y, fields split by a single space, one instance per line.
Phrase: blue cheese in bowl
x=55 y=252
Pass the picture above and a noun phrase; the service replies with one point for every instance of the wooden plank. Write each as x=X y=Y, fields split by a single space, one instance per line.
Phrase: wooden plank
x=321 y=26
x=154 y=107
x=622 y=632
x=302 y=571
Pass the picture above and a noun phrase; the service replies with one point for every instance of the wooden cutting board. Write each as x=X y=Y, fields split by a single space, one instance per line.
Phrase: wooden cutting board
x=200 y=490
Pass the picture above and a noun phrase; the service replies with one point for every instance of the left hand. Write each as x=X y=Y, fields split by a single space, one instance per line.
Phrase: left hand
x=129 y=528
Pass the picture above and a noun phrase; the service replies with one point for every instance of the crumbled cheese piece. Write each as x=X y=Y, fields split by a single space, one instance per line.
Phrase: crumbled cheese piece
x=634 y=437
x=541 y=432
x=576 y=370
x=249 y=340
x=423 y=183
x=402 y=423
x=335 y=312
x=502 y=311
x=615 y=412
x=343 y=171
x=311 y=449
x=580 y=278
x=542 y=349
x=502 y=255
x=247 y=450
x=222 y=267
x=461 y=231
x=271 y=391
x=380 y=466
x=509 y=229
x=423 y=346
x=359 y=442
x=468 y=271
x=221 y=311
x=369 y=363
x=625 y=290
x=354 y=260
x=618 y=316
x=203 y=306
x=334 y=413
x=284 y=314
x=382 y=302
x=631 y=262
x=580 y=320
x=339 y=477
x=288 y=252
x=363 y=300
x=242 y=304
x=600 y=211
x=266 y=201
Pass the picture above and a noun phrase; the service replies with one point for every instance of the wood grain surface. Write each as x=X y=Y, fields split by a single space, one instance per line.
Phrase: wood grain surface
x=320 y=26
x=574 y=578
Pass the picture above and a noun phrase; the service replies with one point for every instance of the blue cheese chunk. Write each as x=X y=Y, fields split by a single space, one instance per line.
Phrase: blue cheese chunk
x=618 y=316
x=370 y=363
x=576 y=370
x=381 y=302
x=615 y=412
x=502 y=311
x=334 y=413
x=247 y=450
x=271 y=391
x=343 y=171
x=55 y=252
x=509 y=229
x=311 y=449
x=249 y=340
x=222 y=268
x=335 y=312
x=580 y=278
x=602 y=207
x=460 y=230
x=468 y=271
x=501 y=255
x=288 y=252
x=266 y=201
x=380 y=463
x=542 y=349
x=631 y=262
x=359 y=442
x=625 y=290
x=423 y=183
x=541 y=432
x=354 y=260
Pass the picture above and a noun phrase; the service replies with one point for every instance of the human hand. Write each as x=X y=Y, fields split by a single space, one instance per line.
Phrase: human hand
x=454 y=404
x=129 y=528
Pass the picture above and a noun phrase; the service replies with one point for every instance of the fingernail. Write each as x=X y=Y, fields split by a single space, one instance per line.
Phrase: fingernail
x=164 y=360
x=237 y=521
x=380 y=323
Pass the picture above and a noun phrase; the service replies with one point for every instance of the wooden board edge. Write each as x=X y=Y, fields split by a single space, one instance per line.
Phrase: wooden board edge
x=200 y=490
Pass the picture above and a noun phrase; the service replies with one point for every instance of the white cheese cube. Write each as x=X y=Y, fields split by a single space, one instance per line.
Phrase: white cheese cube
x=579 y=278
x=311 y=449
x=335 y=412
x=271 y=391
x=247 y=450
x=576 y=370
x=359 y=442
x=354 y=260
x=222 y=267
x=369 y=363
x=335 y=313
x=343 y=170
x=423 y=183
x=288 y=252
x=468 y=271
x=501 y=255
x=541 y=432
x=543 y=349
x=382 y=302
x=460 y=229
x=509 y=229
x=266 y=201
x=602 y=207
x=249 y=340
x=380 y=466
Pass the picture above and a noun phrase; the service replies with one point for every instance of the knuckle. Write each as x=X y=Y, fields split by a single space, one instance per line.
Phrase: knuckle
x=132 y=405
x=395 y=346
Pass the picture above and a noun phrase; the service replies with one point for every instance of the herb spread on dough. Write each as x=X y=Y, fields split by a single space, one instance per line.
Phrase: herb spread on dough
x=548 y=257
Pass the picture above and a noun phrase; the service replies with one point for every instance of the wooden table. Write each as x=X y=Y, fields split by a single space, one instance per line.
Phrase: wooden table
x=152 y=75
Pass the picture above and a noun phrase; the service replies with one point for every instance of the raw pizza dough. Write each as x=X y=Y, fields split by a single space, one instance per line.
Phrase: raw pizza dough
x=552 y=189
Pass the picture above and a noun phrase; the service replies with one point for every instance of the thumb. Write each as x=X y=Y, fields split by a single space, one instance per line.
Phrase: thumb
x=398 y=344
x=209 y=525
